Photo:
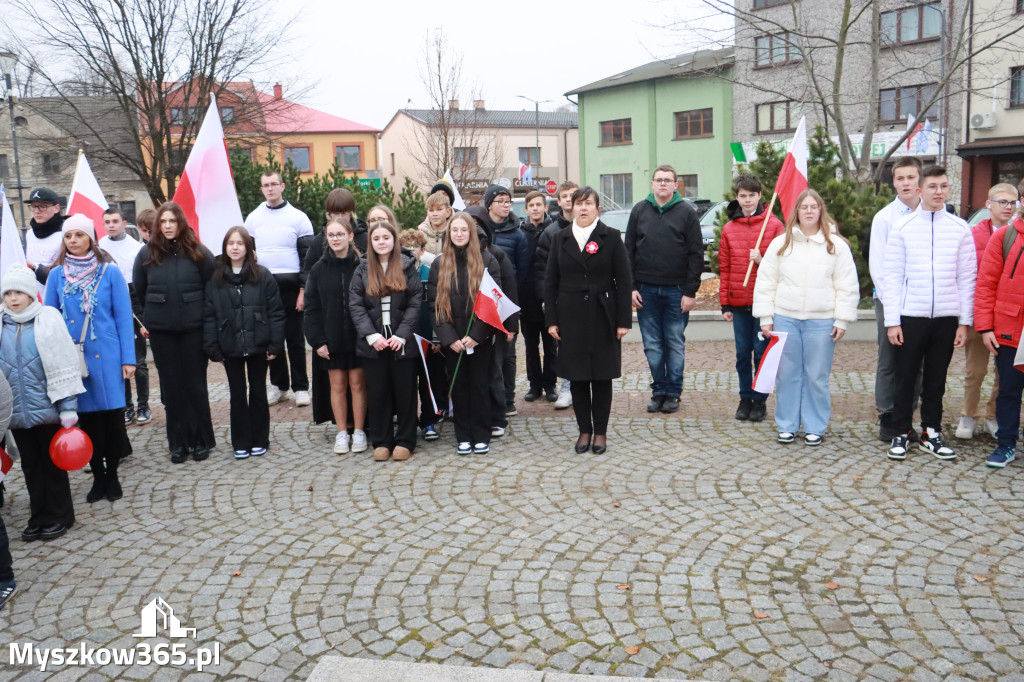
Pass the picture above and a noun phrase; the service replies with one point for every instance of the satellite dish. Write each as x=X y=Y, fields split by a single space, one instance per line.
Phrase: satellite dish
x=504 y=182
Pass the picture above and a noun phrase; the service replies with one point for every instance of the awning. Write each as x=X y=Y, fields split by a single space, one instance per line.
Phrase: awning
x=993 y=146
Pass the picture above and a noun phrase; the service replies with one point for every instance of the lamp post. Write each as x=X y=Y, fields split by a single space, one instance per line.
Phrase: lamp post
x=536 y=114
x=7 y=60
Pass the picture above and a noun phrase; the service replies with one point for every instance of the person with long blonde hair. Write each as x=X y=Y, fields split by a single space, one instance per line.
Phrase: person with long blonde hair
x=806 y=286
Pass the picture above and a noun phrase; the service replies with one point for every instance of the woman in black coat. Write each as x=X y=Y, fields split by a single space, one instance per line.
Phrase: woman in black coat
x=587 y=296
x=170 y=278
x=244 y=329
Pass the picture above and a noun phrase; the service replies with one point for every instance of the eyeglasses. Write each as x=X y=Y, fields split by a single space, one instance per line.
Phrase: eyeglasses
x=40 y=207
x=271 y=185
x=506 y=202
x=663 y=181
x=1003 y=203
x=371 y=221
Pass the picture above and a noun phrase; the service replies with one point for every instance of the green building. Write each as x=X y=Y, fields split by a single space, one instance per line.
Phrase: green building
x=677 y=111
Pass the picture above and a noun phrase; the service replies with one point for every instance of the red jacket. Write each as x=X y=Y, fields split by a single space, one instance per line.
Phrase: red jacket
x=982 y=232
x=738 y=237
x=999 y=293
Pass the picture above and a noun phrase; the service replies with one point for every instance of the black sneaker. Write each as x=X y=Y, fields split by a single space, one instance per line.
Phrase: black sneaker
x=758 y=411
x=7 y=591
x=533 y=394
x=931 y=441
x=129 y=415
x=143 y=416
x=655 y=404
x=670 y=405
x=201 y=453
x=898 y=449
x=550 y=394
x=743 y=410
x=53 y=531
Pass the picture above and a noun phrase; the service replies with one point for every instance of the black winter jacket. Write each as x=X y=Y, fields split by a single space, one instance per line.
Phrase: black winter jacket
x=507 y=281
x=528 y=290
x=326 y=320
x=405 y=309
x=448 y=332
x=665 y=246
x=510 y=238
x=243 y=318
x=543 y=251
x=171 y=294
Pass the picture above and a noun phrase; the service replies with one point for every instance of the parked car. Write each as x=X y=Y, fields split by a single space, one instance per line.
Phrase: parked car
x=616 y=219
x=707 y=228
x=978 y=216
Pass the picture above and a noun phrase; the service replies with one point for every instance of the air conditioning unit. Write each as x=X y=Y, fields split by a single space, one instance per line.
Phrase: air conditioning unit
x=983 y=121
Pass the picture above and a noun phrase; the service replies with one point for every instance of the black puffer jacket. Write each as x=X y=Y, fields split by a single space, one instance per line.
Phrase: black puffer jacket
x=318 y=244
x=461 y=301
x=243 y=318
x=507 y=280
x=543 y=251
x=405 y=309
x=326 y=320
x=528 y=294
x=171 y=293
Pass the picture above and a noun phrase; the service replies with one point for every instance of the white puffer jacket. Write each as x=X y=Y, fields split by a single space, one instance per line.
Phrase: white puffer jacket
x=807 y=282
x=930 y=269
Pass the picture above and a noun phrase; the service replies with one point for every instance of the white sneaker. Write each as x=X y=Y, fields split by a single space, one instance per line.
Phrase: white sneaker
x=273 y=395
x=341 y=443
x=965 y=428
x=991 y=425
x=564 y=398
x=359 y=441
x=301 y=398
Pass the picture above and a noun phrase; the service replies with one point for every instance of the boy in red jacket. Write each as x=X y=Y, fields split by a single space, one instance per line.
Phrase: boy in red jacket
x=735 y=251
x=998 y=318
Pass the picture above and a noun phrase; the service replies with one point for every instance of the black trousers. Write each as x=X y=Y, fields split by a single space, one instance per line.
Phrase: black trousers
x=592 y=403
x=6 y=562
x=390 y=391
x=471 y=394
x=438 y=381
x=141 y=372
x=499 y=351
x=508 y=370
x=250 y=414
x=927 y=342
x=295 y=343
x=49 y=492
x=535 y=335
x=109 y=438
x=181 y=366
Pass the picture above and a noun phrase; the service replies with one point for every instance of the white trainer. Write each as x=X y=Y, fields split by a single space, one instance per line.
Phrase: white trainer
x=359 y=441
x=341 y=443
x=301 y=398
x=564 y=397
x=965 y=428
x=991 y=425
x=273 y=395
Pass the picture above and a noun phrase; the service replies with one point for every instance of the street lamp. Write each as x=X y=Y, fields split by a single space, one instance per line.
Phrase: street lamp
x=7 y=61
x=536 y=112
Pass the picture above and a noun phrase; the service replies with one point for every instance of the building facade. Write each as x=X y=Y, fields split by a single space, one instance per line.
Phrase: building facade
x=677 y=111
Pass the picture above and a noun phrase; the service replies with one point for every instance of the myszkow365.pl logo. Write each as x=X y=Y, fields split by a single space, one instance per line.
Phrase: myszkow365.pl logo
x=157 y=618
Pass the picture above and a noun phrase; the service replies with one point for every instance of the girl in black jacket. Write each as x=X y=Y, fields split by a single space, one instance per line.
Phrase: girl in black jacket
x=170 y=279
x=327 y=323
x=384 y=300
x=451 y=291
x=244 y=329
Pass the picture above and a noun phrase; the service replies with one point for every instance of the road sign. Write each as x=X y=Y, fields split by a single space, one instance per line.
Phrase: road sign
x=551 y=187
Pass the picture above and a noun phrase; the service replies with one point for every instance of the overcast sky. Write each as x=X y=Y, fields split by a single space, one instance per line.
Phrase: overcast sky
x=362 y=58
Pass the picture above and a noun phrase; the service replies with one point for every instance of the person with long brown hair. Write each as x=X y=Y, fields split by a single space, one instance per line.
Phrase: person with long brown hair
x=807 y=287
x=171 y=273
x=384 y=300
x=451 y=290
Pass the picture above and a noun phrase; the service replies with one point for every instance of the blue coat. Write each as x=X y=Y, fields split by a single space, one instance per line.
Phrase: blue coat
x=110 y=341
x=21 y=364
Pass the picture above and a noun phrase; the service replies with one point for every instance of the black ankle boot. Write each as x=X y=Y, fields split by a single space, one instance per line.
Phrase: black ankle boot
x=114 y=491
x=99 y=487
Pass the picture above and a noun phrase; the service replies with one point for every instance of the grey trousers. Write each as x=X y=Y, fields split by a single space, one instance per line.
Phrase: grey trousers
x=885 y=373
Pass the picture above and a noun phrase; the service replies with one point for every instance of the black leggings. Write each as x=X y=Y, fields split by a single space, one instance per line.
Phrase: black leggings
x=592 y=403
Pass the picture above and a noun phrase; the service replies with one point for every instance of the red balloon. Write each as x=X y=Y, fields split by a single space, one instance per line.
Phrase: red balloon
x=71 y=449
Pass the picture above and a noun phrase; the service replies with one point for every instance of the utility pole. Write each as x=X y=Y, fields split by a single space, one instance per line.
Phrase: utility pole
x=7 y=61
x=536 y=119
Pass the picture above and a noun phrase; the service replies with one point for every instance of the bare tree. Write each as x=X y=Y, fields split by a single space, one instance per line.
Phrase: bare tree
x=452 y=138
x=154 y=63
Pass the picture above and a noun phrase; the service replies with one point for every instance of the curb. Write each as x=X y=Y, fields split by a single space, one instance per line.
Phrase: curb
x=343 y=669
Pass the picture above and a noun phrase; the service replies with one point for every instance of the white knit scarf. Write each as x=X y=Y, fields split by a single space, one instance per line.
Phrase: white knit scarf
x=60 y=357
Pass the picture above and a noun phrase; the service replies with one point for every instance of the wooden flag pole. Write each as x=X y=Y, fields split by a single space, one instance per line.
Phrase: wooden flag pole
x=764 y=224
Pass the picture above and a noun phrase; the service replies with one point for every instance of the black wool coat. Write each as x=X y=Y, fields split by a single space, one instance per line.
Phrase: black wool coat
x=587 y=294
x=325 y=318
x=243 y=318
x=405 y=309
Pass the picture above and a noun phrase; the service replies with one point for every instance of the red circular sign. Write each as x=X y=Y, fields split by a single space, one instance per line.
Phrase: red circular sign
x=551 y=187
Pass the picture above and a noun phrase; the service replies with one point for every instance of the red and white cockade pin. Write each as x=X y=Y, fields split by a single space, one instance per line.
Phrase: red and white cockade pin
x=591 y=247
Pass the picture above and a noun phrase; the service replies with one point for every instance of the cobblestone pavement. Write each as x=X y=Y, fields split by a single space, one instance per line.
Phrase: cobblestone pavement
x=695 y=548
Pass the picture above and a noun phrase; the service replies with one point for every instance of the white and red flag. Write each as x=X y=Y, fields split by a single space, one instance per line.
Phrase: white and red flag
x=768 y=370
x=492 y=305
x=424 y=346
x=86 y=196
x=5 y=463
x=206 y=191
x=793 y=176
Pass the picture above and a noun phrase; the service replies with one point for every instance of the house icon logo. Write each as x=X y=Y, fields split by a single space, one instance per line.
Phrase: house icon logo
x=158 y=614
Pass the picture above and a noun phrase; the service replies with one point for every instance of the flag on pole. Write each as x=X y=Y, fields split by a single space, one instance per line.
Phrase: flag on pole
x=458 y=204
x=793 y=176
x=767 y=371
x=424 y=346
x=86 y=196
x=914 y=127
x=5 y=464
x=492 y=305
x=11 y=250
x=206 y=191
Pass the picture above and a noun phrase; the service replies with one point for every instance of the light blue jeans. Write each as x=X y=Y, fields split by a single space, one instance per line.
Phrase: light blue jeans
x=802 y=394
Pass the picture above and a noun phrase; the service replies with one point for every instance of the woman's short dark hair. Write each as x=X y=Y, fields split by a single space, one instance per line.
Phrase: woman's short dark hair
x=584 y=193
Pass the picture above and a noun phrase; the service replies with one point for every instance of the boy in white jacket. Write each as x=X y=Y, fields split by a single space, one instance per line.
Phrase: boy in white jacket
x=930 y=271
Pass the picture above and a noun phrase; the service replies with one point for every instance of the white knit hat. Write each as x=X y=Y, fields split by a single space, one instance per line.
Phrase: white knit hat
x=79 y=222
x=20 y=278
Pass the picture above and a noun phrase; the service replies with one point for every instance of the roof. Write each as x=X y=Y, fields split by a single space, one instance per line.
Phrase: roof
x=688 y=64
x=285 y=116
x=495 y=119
x=992 y=146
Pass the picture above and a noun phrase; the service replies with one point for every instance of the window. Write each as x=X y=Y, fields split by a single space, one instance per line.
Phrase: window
x=1020 y=6
x=4 y=170
x=300 y=157
x=777 y=49
x=530 y=156
x=758 y=4
x=618 y=188
x=895 y=104
x=619 y=131
x=227 y=115
x=465 y=156
x=182 y=115
x=349 y=157
x=242 y=152
x=51 y=164
x=911 y=24
x=696 y=123
x=1017 y=85
x=127 y=208
x=687 y=185
x=775 y=117
x=176 y=159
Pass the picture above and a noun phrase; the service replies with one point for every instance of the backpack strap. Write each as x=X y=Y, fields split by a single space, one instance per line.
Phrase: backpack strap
x=1009 y=237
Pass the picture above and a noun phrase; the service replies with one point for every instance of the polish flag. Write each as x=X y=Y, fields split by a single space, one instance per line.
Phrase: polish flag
x=492 y=305
x=458 y=204
x=424 y=346
x=793 y=176
x=11 y=250
x=206 y=191
x=914 y=127
x=768 y=370
x=5 y=464
x=86 y=196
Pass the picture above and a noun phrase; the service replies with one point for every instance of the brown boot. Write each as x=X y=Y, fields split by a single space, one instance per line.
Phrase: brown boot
x=401 y=453
x=381 y=454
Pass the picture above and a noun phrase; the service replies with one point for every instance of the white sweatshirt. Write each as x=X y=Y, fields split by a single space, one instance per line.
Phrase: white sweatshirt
x=123 y=251
x=277 y=231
